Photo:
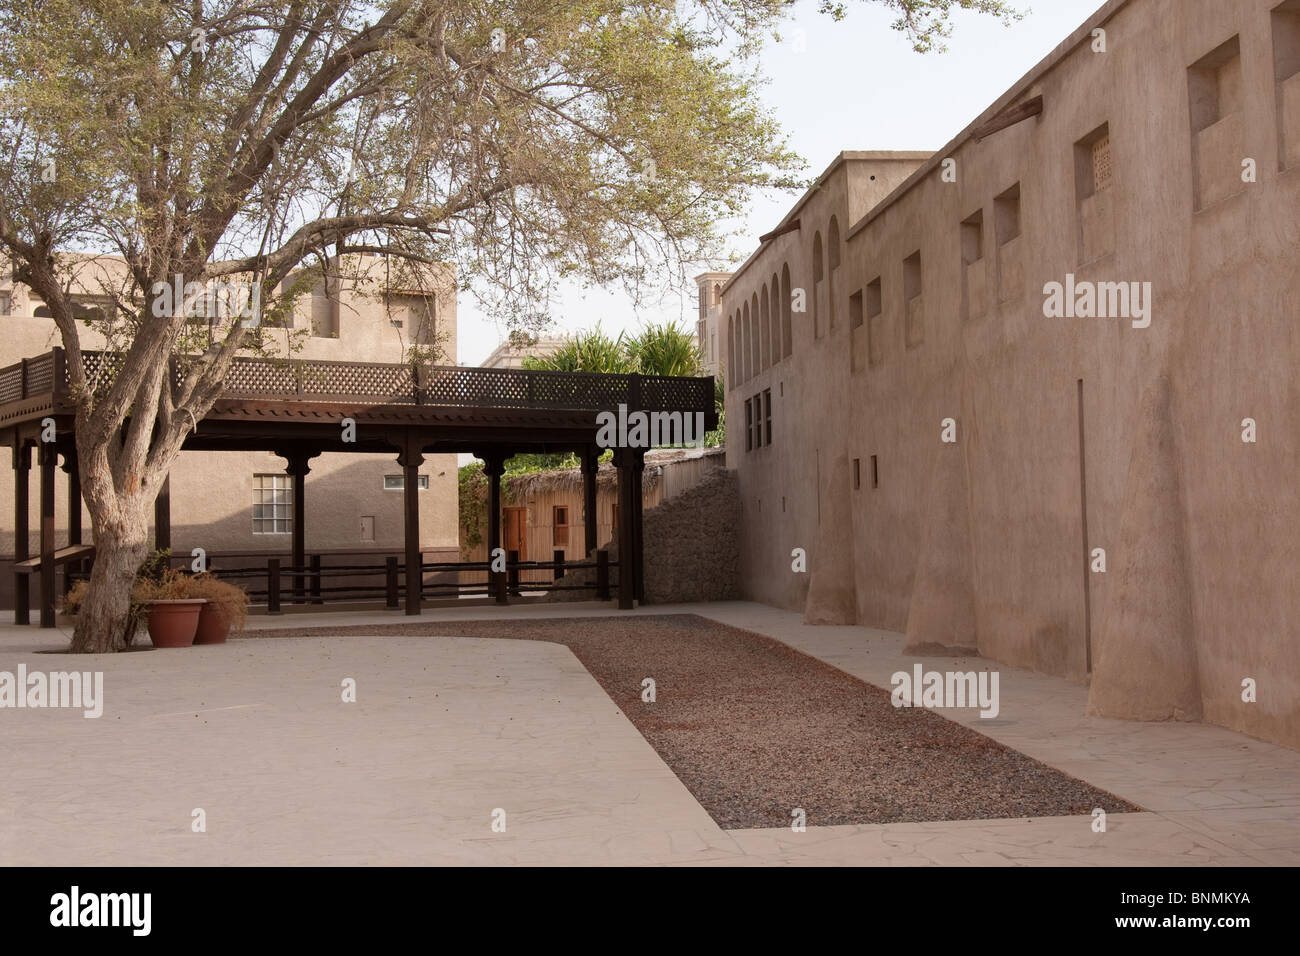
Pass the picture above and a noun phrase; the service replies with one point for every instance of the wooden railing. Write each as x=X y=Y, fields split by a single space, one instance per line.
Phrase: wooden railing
x=287 y=584
x=310 y=380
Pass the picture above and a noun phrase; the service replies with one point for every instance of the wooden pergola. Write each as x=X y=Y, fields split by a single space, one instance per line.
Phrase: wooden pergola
x=296 y=409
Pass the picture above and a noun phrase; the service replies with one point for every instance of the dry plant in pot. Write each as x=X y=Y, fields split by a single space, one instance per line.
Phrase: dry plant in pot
x=171 y=612
x=226 y=610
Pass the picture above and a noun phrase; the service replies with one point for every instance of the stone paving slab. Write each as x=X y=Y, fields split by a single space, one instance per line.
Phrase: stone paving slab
x=403 y=782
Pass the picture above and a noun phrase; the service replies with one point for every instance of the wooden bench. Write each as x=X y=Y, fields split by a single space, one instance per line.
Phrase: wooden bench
x=68 y=555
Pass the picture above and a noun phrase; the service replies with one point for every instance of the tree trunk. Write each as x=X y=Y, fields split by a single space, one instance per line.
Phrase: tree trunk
x=104 y=621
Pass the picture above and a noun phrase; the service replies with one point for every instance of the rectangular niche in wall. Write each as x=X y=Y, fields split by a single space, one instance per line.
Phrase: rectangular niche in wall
x=1093 y=175
x=857 y=334
x=1286 y=70
x=1006 y=224
x=913 y=301
x=1214 y=99
x=875 y=309
x=973 y=267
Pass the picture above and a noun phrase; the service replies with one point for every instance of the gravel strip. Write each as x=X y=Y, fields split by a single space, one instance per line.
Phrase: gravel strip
x=754 y=728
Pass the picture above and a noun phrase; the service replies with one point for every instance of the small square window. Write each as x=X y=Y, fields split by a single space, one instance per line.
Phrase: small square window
x=272 y=504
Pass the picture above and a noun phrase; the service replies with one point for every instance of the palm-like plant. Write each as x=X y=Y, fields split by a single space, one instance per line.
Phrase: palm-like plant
x=588 y=351
x=666 y=350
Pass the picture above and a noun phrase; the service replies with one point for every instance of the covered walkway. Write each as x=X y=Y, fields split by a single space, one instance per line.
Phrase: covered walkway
x=302 y=409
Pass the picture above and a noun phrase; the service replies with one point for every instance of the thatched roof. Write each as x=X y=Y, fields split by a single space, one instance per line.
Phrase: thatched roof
x=570 y=479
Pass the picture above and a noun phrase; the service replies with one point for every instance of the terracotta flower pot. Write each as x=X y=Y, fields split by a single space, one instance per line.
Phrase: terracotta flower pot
x=174 y=623
x=214 y=625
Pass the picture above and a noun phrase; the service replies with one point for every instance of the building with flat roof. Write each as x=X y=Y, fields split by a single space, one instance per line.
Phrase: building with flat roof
x=1034 y=394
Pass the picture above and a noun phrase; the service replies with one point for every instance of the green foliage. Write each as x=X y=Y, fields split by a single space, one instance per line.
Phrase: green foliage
x=588 y=351
x=665 y=349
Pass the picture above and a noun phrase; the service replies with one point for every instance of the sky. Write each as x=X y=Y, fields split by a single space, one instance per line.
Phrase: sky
x=852 y=84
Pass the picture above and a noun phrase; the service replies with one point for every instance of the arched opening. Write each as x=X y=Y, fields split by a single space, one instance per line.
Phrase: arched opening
x=819 y=276
x=757 y=357
x=776 y=319
x=730 y=370
x=833 y=263
x=745 y=359
x=764 y=326
x=787 y=338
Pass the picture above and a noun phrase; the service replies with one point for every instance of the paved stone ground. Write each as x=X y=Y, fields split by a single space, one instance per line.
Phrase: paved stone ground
x=255 y=733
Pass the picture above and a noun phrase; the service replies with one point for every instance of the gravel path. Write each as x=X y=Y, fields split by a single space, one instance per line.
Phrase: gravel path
x=755 y=729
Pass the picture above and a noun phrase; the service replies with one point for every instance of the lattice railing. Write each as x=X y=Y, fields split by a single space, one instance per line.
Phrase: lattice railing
x=30 y=377
x=398 y=384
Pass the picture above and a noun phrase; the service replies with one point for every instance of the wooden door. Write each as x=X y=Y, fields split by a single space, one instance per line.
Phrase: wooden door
x=516 y=531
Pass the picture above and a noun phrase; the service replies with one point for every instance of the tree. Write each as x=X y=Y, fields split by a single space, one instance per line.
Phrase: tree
x=254 y=141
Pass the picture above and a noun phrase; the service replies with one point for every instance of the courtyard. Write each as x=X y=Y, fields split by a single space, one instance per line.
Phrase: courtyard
x=465 y=747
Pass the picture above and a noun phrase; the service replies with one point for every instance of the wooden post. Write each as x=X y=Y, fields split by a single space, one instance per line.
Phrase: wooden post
x=638 y=501
x=315 y=579
x=162 y=517
x=494 y=462
x=626 y=564
x=557 y=556
x=22 y=458
x=602 y=575
x=72 y=469
x=297 y=466
x=273 y=586
x=590 y=515
x=390 y=582
x=512 y=571
x=410 y=459
x=49 y=457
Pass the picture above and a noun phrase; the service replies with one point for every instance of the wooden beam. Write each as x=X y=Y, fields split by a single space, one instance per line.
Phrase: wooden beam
x=1009 y=117
x=791 y=226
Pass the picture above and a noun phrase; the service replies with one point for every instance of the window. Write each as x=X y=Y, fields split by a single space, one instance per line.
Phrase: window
x=6 y=303
x=560 y=523
x=767 y=415
x=614 y=520
x=398 y=482
x=875 y=472
x=749 y=426
x=857 y=474
x=272 y=504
